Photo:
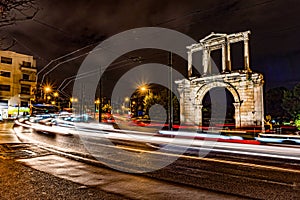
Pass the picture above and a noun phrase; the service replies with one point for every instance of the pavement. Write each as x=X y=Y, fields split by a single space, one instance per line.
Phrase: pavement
x=29 y=172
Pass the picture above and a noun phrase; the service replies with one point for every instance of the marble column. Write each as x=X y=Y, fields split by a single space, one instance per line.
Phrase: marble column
x=198 y=115
x=223 y=58
x=190 y=63
x=228 y=57
x=246 y=55
x=237 y=114
x=205 y=61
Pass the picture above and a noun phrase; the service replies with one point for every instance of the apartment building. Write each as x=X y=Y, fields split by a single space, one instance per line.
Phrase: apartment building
x=17 y=83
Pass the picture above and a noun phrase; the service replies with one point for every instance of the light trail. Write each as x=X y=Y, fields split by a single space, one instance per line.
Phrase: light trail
x=145 y=138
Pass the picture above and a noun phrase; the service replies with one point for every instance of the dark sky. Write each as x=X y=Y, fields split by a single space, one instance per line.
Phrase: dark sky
x=62 y=26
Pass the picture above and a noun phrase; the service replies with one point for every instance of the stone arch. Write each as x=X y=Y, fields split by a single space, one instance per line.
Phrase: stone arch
x=201 y=91
x=206 y=87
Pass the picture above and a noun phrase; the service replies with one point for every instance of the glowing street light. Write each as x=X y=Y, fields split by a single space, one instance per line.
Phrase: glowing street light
x=97 y=107
x=143 y=89
x=55 y=94
x=47 y=89
x=72 y=100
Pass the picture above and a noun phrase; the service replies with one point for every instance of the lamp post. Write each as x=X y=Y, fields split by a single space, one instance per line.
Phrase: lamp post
x=55 y=95
x=97 y=103
x=48 y=98
x=19 y=101
x=71 y=101
x=126 y=105
x=144 y=89
x=47 y=89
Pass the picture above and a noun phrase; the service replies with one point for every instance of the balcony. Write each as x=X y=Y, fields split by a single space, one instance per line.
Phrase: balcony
x=27 y=82
x=24 y=96
x=28 y=68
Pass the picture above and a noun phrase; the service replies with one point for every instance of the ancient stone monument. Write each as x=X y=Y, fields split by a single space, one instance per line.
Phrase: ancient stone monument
x=245 y=86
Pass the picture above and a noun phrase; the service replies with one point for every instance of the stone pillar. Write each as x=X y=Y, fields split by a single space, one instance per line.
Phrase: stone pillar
x=228 y=57
x=181 y=103
x=198 y=116
x=190 y=63
x=246 y=55
x=223 y=58
x=205 y=61
x=209 y=62
x=237 y=114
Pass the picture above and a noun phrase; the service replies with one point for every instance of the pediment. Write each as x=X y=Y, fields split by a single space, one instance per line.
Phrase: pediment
x=213 y=36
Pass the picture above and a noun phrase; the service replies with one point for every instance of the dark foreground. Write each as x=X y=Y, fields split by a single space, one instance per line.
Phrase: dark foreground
x=21 y=182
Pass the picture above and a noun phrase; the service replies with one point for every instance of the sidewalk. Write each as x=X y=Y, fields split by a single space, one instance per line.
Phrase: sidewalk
x=21 y=182
x=18 y=181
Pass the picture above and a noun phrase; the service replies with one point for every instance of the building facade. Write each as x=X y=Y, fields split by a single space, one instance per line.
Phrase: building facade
x=17 y=83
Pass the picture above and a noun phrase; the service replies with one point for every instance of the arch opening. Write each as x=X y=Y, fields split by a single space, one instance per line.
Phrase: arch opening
x=207 y=120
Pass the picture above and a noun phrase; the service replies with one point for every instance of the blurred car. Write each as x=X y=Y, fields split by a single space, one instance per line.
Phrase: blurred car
x=291 y=138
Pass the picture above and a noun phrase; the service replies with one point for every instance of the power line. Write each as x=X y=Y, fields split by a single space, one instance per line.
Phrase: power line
x=165 y=22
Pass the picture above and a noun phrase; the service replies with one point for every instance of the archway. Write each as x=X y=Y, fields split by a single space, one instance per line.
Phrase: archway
x=229 y=121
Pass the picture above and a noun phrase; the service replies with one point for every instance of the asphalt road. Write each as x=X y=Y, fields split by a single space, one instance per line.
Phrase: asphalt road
x=30 y=171
x=251 y=174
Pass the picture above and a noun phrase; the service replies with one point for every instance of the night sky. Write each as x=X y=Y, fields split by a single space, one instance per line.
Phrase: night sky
x=62 y=26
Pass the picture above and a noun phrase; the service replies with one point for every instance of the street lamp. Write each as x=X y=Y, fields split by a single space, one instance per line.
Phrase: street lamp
x=47 y=89
x=55 y=94
x=97 y=103
x=126 y=104
x=72 y=100
x=143 y=89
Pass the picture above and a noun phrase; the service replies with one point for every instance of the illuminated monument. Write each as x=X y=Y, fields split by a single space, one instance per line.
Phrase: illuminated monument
x=245 y=86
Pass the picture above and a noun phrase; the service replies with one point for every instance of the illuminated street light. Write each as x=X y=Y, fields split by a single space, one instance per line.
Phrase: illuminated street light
x=143 y=89
x=55 y=94
x=47 y=89
x=72 y=99
x=97 y=107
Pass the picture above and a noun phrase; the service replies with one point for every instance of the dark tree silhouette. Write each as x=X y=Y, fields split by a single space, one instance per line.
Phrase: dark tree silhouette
x=274 y=98
x=12 y=11
x=291 y=101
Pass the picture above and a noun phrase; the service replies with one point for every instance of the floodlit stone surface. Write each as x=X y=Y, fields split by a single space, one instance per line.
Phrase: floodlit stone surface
x=245 y=86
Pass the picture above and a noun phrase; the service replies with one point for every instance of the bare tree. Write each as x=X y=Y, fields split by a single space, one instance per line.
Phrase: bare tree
x=12 y=11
